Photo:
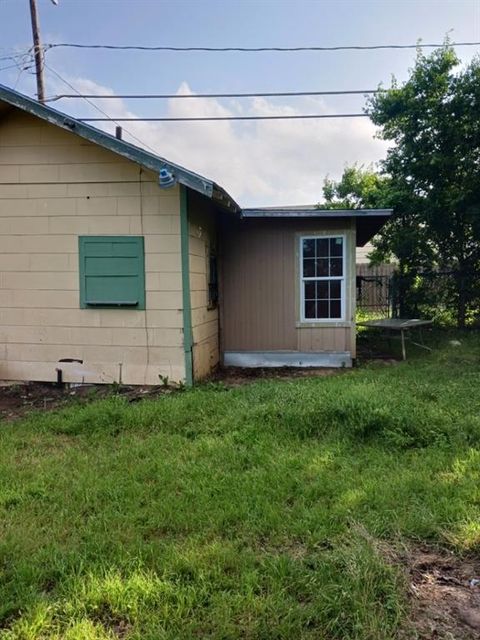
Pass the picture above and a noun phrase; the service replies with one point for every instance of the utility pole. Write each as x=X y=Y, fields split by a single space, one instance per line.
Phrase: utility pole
x=37 y=51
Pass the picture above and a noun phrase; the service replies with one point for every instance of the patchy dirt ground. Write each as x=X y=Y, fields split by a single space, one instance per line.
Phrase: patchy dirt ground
x=442 y=589
x=444 y=595
x=234 y=376
x=18 y=399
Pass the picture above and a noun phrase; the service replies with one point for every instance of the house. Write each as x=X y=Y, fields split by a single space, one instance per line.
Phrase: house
x=118 y=265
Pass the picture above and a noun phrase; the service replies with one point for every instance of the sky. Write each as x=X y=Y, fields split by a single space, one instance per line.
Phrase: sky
x=260 y=163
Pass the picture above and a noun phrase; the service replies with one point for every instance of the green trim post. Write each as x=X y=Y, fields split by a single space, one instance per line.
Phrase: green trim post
x=187 y=309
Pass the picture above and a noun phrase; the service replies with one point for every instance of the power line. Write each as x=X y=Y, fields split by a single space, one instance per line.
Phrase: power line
x=21 y=61
x=307 y=116
x=16 y=66
x=10 y=66
x=163 y=96
x=92 y=104
x=3 y=58
x=15 y=54
x=21 y=71
x=107 y=118
x=117 y=47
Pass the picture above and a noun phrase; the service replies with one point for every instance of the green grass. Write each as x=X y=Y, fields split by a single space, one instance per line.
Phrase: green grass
x=247 y=513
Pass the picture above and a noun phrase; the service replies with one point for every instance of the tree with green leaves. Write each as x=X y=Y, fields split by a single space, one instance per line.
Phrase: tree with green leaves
x=403 y=237
x=358 y=188
x=431 y=175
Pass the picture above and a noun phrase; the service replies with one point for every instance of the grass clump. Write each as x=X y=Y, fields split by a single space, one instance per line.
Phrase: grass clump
x=242 y=513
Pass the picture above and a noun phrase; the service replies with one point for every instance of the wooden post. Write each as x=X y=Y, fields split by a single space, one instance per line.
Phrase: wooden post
x=404 y=353
x=37 y=51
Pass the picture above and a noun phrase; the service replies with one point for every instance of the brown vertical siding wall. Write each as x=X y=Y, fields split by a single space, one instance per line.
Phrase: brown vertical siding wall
x=202 y=237
x=260 y=288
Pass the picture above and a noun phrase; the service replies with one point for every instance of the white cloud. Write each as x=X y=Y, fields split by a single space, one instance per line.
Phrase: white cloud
x=271 y=162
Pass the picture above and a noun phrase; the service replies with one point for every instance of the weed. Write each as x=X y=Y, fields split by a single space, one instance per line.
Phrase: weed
x=164 y=380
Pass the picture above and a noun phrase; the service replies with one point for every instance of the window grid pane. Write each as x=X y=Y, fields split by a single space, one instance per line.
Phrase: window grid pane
x=322 y=257
x=319 y=303
x=322 y=277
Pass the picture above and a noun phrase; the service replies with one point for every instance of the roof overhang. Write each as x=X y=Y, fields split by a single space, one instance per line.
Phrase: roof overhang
x=149 y=160
x=368 y=221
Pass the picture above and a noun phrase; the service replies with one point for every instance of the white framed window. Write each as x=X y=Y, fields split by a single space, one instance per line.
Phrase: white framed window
x=322 y=278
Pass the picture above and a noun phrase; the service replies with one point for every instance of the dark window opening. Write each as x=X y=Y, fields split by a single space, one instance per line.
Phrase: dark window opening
x=212 y=281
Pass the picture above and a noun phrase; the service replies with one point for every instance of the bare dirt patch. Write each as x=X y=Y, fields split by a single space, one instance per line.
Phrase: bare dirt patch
x=18 y=399
x=235 y=376
x=443 y=589
x=443 y=594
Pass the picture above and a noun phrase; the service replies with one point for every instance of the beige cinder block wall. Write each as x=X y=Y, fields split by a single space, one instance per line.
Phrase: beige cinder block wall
x=260 y=287
x=202 y=240
x=55 y=186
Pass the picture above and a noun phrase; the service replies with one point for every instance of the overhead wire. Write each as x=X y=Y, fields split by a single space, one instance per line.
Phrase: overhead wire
x=107 y=118
x=92 y=104
x=307 y=116
x=418 y=45
x=21 y=71
x=20 y=60
x=15 y=66
x=3 y=58
x=14 y=55
x=174 y=96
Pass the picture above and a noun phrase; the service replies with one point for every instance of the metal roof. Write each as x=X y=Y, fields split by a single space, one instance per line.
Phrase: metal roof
x=368 y=221
x=311 y=211
x=127 y=150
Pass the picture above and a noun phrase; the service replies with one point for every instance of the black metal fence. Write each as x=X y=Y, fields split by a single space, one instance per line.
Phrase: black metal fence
x=445 y=296
x=374 y=289
x=450 y=297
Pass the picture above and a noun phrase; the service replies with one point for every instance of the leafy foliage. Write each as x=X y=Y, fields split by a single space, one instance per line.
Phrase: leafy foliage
x=358 y=188
x=434 y=164
x=431 y=179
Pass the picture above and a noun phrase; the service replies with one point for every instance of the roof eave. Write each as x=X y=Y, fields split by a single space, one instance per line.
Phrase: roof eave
x=368 y=221
x=224 y=200
x=315 y=213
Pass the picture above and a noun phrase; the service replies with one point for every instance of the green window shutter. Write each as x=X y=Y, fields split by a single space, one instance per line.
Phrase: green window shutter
x=112 y=271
